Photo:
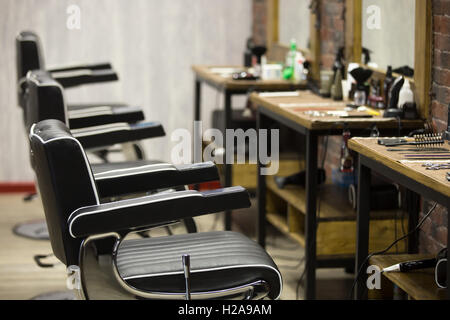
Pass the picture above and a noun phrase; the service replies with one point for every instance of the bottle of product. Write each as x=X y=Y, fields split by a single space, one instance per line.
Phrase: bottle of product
x=299 y=74
x=339 y=63
x=248 y=55
x=346 y=158
x=288 y=72
x=406 y=95
x=388 y=80
x=360 y=96
x=337 y=87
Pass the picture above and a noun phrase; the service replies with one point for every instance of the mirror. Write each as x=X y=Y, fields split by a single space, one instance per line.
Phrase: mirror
x=388 y=31
x=294 y=22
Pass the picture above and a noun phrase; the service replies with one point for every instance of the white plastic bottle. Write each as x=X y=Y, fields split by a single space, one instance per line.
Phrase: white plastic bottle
x=405 y=95
x=299 y=74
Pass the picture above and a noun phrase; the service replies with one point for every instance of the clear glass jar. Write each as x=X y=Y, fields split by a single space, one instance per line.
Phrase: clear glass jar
x=360 y=97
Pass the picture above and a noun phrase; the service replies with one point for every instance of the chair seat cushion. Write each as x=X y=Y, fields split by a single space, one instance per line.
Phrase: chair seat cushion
x=219 y=260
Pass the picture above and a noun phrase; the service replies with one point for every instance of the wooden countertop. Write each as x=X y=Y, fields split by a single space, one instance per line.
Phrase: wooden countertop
x=418 y=284
x=220 y=76
x=434 y=179
x=298 y=109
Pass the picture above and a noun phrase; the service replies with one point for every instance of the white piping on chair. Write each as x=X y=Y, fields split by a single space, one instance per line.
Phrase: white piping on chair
x=90 y=112
x=185 y=194
x=211 y=269
x=94 y=187
x=151 y=168
x=119 y=126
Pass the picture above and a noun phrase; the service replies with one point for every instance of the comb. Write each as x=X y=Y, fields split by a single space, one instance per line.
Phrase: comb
x=421 y=141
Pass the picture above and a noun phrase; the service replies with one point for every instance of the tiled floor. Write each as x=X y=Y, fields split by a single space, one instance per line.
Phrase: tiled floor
x=21 y=278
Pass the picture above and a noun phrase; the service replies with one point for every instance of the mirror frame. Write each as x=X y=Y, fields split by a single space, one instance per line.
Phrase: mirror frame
x=422 y=48
x=277 y=50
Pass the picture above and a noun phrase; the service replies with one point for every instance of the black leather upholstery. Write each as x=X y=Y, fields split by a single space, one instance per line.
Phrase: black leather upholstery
x=65 y=183
x=75 y=78
x=141 y=176
x=111 y=134
x=29 y=56
x=88 y=115
x=219 y=260
x=28 y=53
x=143 y=212
x=104 y=167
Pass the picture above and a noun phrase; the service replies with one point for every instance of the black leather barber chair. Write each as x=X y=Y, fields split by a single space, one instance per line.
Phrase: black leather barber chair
x=89 y=236
x=44 y=99
x=29 y=56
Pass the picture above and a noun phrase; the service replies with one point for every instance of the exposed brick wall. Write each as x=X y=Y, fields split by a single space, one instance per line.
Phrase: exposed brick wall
x=259 y=26
x=332 y=30
x=433 y=235
x=332 y=37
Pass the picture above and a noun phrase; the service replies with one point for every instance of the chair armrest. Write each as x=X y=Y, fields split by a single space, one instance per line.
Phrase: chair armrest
x=94 y=66
x=103 y=114
x=134 y=214
x=75 y=78
x=111 y=134
x=144 y=178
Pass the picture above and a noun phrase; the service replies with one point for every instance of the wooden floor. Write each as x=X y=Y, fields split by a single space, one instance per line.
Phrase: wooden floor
x=21 y=278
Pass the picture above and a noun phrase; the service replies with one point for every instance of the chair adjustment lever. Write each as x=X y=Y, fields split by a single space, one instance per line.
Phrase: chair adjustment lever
x=186 y=260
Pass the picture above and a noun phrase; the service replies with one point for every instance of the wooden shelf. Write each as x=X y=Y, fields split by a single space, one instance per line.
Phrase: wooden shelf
x=418 y=284
x=280 y=223
x=246 y=174
x=334 y=204
x=336 y=229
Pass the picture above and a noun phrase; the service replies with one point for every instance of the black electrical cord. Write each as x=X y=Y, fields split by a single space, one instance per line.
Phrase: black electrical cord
x=417 y=227
x=273 y=242
x=294 y=267
x=395 y=230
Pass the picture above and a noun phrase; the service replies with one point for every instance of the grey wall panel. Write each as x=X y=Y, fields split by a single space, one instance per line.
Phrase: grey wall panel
x=151 y=43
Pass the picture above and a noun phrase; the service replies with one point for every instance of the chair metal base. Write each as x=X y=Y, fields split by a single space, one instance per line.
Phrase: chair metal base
x=56 y=295
x=36 y=230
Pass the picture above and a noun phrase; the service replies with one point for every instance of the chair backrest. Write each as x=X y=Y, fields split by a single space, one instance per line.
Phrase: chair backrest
x=29 y=54
x=65 y=183
x=44 y=99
